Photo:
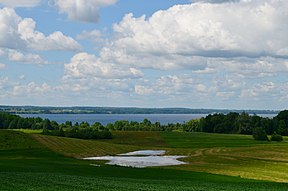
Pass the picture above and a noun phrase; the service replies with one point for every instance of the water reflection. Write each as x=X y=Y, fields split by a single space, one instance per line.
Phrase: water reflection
x=147 y=158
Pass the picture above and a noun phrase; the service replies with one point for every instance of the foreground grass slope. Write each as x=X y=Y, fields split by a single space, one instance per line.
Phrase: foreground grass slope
x=34 y=167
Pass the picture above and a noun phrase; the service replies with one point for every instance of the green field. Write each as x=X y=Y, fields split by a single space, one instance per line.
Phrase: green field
x=206 y=140
x=38 y=162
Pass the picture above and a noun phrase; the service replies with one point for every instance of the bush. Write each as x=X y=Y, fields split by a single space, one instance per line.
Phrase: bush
x=259 y=134
x=276 y=137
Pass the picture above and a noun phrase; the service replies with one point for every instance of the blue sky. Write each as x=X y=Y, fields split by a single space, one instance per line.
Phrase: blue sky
x=230 y=54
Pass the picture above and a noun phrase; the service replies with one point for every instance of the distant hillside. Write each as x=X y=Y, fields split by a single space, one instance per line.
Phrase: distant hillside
x=120 y=110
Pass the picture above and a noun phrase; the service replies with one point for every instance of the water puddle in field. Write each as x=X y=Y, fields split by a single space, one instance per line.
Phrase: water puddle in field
x=141 y=159
x=144 y=153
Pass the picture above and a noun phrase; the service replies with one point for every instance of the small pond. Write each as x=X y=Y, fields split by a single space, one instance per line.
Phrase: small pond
x=141 y=159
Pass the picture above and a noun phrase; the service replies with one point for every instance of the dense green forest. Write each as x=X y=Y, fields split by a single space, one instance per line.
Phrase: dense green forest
x=231 y=123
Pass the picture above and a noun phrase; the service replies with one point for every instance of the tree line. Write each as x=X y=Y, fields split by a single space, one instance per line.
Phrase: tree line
x=82 y=130
x=244 y=123
x=231 y=123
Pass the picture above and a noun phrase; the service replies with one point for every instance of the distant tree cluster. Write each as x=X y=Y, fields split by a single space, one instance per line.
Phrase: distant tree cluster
x=147 y=125
x=9 y=121
x=244 y=123
x=124 y=125
x=82 y=130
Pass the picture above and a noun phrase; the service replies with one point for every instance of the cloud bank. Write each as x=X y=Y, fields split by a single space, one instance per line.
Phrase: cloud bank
x=177 y=37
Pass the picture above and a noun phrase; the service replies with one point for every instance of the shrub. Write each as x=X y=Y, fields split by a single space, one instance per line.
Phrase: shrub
x=259 y=134
x=276 y=137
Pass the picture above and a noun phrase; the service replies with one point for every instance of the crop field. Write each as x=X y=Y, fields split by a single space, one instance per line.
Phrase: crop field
x=233 y=155
x=38 y=162
x=207 y=140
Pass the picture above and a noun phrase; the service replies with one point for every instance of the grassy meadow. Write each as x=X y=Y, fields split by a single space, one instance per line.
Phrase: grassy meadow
x=31 y=161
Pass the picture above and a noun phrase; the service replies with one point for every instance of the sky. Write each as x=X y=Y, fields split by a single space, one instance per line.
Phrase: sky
x=221 y=54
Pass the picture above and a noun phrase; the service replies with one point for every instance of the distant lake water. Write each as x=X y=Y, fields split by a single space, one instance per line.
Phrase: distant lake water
x=104 y=119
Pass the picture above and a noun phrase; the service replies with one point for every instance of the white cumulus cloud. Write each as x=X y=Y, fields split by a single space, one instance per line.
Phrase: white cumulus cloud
x=10 y=37
x=84 y=65
x=185 y=36
x=17 y=56
x=166 y=85
x=38 y=41
x=19 y=33
x=82 y=10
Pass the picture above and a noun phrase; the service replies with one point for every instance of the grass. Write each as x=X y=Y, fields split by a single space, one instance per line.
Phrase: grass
x=34 y=166
x=139 y=138
x=16 y=140
x=234 y=155
x=207 y=140
x=79 y=148
x=122 y=142
x=29 y=131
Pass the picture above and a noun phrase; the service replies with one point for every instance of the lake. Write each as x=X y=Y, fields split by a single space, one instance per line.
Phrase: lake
x=104 y=119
